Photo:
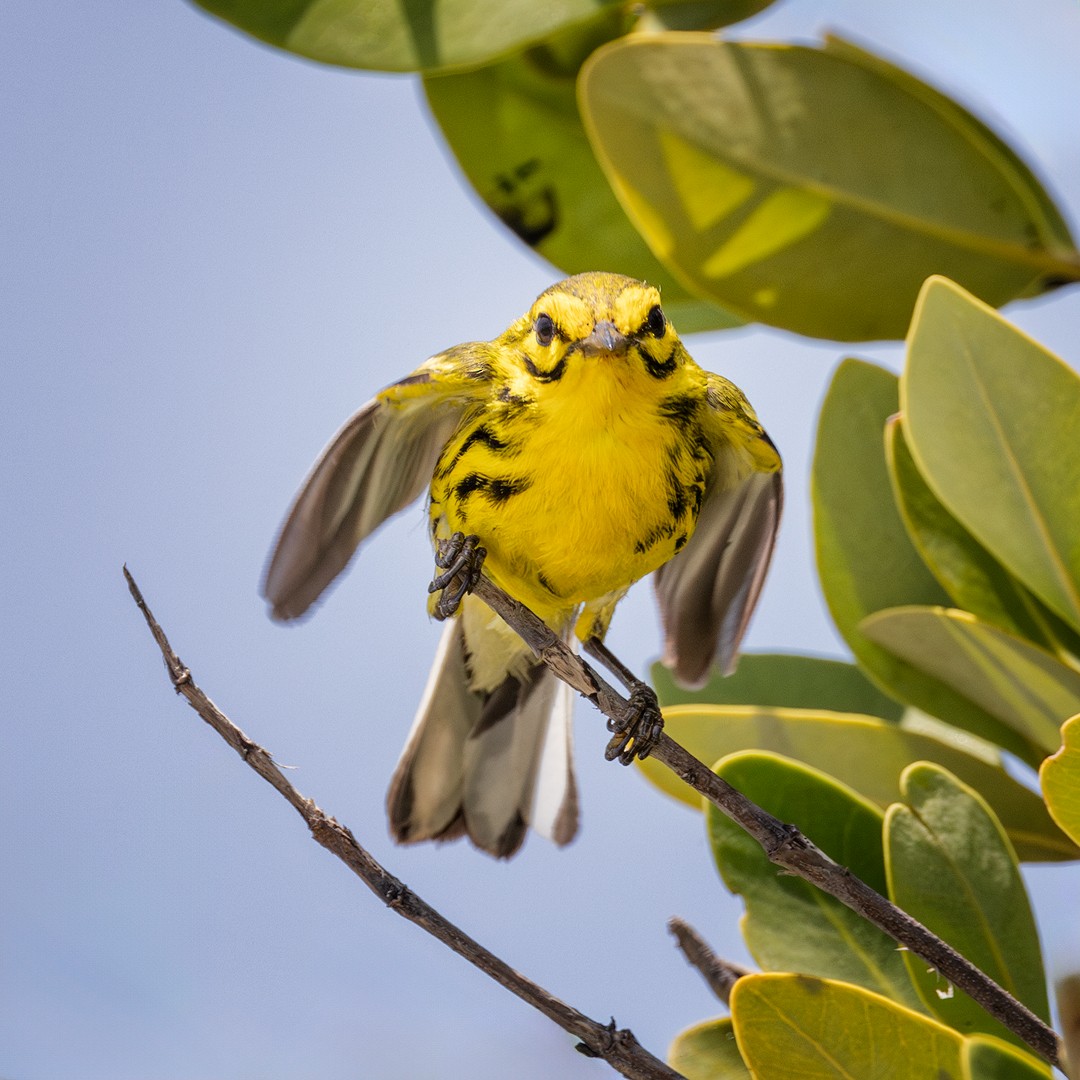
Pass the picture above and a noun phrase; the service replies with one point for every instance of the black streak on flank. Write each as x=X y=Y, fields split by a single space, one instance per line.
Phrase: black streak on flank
x=680 y=542
x=547 y=584
x=681 y=409
x=515 y=402
x=677 y=497
x=482 y=434
x=554 y=375
x=652 y=539
x=496 y=489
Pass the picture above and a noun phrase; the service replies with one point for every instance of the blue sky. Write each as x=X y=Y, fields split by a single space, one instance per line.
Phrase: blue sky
x=213 y=253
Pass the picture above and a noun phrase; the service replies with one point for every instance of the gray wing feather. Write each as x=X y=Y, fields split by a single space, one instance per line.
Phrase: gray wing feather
x=378 y=463
x=708 y=591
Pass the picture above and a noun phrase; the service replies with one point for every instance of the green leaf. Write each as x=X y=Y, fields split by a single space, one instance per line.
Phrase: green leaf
x=1023 y=686
x=865 y=753
x=818 y=1029
x=783 y=679
x=974 y=579
x=1060 y=778
x=764 y=176
x=404 y=35
x=1050 y=226
x=790 y=925
x=708 y=1051
x=991 y=416
x=950 y=865
x=985 y=1058
x=532 y=164
x=865 y=557
x=701 y=14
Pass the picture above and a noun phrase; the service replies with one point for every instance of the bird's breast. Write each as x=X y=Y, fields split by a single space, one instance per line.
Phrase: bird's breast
x=575 y=502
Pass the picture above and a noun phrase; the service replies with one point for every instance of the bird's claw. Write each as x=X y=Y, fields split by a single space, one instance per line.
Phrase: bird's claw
x=638 y=730
x=461 y=558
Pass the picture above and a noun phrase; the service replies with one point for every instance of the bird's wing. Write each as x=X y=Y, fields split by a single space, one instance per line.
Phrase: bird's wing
x=708 y=591
x=377 y=464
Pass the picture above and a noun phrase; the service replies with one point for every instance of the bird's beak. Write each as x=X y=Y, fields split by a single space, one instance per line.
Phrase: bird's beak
x=605 y=338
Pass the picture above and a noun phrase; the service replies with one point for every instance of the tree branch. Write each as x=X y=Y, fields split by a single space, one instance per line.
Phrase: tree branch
x=784 y=845
x=721 y=975
x=618 y=1047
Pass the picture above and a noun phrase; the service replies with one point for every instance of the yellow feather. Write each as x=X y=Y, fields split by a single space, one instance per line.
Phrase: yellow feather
x=581 y=448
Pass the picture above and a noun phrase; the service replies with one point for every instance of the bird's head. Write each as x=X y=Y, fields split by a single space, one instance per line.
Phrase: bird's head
x=591 y=318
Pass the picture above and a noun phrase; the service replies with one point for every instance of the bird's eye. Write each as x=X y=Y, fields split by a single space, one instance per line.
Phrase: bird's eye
x=656 y=322
x=544 y=328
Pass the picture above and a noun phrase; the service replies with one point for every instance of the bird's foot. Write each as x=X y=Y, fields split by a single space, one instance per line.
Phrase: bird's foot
x=461 y=560
x=639 y=729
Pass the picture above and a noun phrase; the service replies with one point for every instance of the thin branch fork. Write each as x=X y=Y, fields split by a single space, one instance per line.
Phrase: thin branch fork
x=618 y=1047
x=721 y=975
x=784 y=845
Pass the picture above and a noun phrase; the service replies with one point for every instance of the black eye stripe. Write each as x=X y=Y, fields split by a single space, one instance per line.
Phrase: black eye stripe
x=554 y=375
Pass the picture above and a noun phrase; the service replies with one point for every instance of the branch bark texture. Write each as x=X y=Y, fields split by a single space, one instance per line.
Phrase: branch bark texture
x=784 y=845
x=721 y=975
x=618 y=1047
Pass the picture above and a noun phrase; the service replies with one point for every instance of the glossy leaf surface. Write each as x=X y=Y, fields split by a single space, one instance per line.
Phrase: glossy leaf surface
x=974 y=579
x=531 y=163
x=951 y=866
x=819 y=1029
x=986 y=1058
x=990 y=417
x=1060 y=777
x=865 y=558
x=708 y=1051
x=388 y=35
x=765 y=177
x=786 y=680
x=790 y=925
x=1025 y=687
x=865 y=753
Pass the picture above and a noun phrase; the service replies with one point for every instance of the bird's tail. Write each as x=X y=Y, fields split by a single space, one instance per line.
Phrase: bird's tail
x=486 y=764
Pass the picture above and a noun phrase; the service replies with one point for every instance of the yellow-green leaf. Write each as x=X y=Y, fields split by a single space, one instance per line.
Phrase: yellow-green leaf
x=700 y=14
x=1060 y=778
x=974 y=579
x=532 y=164
x=784 y=680
x=865 y=753
x=991 y=417
x=985 y=1058
x=790 y=925
x=391 y=35
x=865 y=558
x=818 y=1029
x=708 y=1051
x=766 y=178
x=1049 y=225
x=950 y=865
x=1023 y=686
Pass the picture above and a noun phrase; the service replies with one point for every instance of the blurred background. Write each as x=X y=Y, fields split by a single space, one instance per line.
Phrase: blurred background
x=212 y=254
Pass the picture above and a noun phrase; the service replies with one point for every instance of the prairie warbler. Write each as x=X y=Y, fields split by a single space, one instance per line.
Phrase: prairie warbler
x=583 y=449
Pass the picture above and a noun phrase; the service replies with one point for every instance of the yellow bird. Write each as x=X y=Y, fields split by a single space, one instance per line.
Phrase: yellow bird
x=581 y=449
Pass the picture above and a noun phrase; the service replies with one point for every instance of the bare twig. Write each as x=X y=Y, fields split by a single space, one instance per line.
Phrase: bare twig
x=784 y=845
x=618 y=1047
x=719 y=974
